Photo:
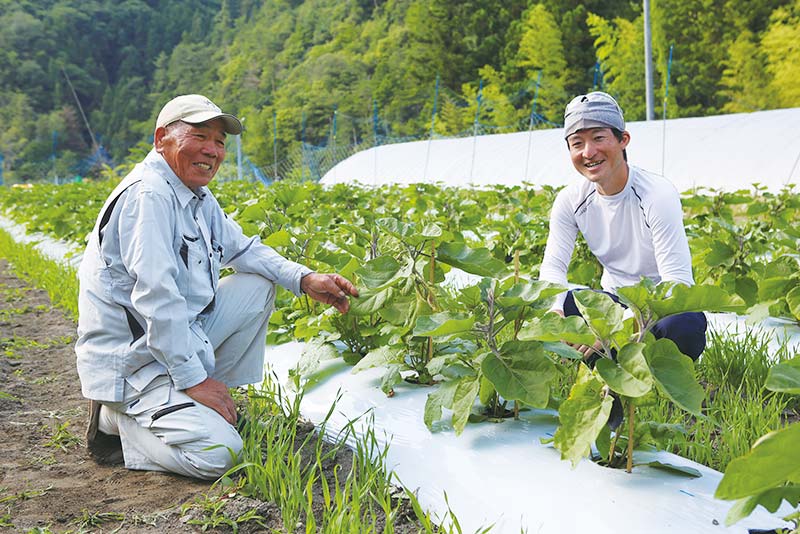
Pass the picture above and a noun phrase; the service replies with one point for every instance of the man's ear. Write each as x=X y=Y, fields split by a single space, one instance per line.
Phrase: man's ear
x=158 y=138
x=626 y=138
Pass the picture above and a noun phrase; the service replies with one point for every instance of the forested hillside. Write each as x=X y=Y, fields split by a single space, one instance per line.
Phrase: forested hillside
x=288 y=65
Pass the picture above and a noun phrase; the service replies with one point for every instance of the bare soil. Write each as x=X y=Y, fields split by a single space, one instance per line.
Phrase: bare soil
x=47 y=478
x=48 y=481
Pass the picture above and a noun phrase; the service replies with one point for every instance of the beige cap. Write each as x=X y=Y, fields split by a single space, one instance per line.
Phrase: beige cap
x=195 y=109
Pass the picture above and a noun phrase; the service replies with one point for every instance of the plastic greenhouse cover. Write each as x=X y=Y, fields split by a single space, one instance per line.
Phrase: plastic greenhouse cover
x=727 y=152
x=500 y=474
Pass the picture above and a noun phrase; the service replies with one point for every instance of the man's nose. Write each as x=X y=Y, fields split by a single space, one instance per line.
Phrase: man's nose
x=589 y=150
x=210 y=149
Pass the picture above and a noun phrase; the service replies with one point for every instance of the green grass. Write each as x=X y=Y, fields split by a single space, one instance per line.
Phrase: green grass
x=286 y=461
x=59 y=280
x=738 y=409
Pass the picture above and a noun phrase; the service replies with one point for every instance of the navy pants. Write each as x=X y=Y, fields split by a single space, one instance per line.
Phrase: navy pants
x=686 y=330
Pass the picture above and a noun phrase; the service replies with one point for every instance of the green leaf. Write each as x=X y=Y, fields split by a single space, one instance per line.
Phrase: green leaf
x=770 y=499
x=431 y=231
x=522 y=372
x=463 y=401
x=369 y=302
x=583 y=416
x=553 y=327
x=683 y=470
x=719 y=254
x=474 y=261
x=391 y=378
x=440 y=398
x=793 y=300
x=398 y=229
x=281 y=238
x=380 y=357
x=773 y=288
x=767 y=465
x=785 y=377
x=629 y=375
x=527 y=293
x=697 y=299
x=602 y=314
x=400 y=310
x=443 y=324
x=675 y=376
x=638 y=296
x=377 y=273
x=747 y=289
x=313 y=353
x=562 y=350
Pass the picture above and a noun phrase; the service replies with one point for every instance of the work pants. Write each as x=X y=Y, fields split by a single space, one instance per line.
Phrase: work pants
x=163 y=429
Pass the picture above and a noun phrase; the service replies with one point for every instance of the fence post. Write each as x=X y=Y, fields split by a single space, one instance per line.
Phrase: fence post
x=433 y=124
x=475 y=129
x=530 y=124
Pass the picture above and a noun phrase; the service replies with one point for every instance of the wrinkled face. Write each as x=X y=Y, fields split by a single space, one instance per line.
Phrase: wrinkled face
x=193 y=151
x=597 y=154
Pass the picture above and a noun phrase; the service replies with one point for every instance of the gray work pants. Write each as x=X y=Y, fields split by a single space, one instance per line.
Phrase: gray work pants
x=163 y=429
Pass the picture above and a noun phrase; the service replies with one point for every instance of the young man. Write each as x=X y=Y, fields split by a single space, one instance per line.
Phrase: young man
x=631 y=219
x=160 y=337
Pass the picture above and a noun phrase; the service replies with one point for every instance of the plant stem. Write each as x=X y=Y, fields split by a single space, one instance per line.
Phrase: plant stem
x=631 y=412
x=431 y=277
x=517 y=321
x=612 y=449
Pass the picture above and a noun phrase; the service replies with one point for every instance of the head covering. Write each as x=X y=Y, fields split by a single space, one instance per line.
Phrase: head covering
x=195 y=109
x=592 y=110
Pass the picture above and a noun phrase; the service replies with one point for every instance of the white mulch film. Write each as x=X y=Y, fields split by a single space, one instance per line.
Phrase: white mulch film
x=499 y=473
x=727 y=152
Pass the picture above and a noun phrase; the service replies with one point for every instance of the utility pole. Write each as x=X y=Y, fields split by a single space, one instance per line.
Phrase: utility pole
x=648 y=63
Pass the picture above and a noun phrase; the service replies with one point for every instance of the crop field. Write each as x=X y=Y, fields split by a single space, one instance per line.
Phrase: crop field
x=450 y=300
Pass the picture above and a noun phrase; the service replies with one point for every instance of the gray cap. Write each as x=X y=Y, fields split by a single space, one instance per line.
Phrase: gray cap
x=195 y=109
x=592 y=110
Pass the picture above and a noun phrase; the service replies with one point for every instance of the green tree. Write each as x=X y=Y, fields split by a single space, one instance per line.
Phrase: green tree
x=620 y=49
x=745 y=81
x=780 y=44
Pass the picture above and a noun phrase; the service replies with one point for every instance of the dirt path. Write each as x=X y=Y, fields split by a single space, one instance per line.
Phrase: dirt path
x=47 y=479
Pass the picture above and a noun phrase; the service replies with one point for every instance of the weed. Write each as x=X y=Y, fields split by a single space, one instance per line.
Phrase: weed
x=22 y=495
x=5 y=519
x=740 y=358
x=95 y=519
x=44 y=460
x=63 y=438
x=9 y=396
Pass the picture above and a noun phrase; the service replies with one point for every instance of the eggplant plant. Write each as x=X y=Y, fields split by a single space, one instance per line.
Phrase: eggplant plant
x=498 y=368
x=632 y=366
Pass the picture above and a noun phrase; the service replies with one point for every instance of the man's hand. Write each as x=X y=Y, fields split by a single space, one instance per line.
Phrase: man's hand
x=331 y=289
x=214 y=394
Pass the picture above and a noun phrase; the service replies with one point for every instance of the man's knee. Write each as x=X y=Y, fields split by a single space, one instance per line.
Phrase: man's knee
x=686 y=330
x=254 y=288
x=213 y=460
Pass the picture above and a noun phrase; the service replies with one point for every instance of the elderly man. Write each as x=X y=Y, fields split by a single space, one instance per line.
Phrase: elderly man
x=632 y=220
x=160 y=337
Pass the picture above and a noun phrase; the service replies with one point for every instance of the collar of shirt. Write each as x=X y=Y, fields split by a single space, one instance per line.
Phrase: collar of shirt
x=183 y=193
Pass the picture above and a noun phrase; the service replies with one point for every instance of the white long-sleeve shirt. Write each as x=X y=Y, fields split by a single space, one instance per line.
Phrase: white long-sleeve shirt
x=637 y=232
x=149 y=273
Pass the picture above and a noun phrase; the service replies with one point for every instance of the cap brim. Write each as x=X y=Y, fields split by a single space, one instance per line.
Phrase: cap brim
x=232 y=125
x=583 y=124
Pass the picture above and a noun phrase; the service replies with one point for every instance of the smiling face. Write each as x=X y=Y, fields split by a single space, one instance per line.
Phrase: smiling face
x=598 y=155
x=194 y=152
